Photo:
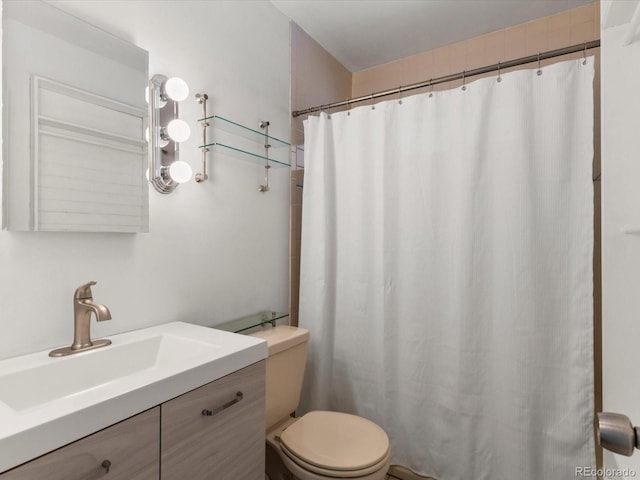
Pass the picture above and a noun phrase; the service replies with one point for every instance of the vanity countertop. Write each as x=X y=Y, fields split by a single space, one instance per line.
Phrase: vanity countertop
x=47 y=402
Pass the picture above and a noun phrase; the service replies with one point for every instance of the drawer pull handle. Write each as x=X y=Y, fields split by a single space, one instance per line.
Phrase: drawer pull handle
x=210 y=413
x=106 y=465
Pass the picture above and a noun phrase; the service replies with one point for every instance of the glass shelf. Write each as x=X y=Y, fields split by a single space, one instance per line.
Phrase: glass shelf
x=244 y=154
x=245 y=323
x=230 y=126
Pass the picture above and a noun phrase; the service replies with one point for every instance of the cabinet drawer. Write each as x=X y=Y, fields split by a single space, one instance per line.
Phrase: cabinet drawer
x=227 y=444
x=130 y=446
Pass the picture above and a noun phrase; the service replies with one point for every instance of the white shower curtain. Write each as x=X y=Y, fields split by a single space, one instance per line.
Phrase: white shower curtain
x=446 y=274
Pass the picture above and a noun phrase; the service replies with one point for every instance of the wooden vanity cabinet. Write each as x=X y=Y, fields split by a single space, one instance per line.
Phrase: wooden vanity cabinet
x=125 y=451
x=216 y=431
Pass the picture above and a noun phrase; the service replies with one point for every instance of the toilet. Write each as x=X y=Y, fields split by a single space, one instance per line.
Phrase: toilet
x=320 y=445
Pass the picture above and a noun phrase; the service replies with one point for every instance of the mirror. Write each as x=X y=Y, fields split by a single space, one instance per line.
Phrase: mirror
x=74 y=116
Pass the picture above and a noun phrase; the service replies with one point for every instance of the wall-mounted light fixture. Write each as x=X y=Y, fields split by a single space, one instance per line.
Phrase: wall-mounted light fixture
x=166 y=131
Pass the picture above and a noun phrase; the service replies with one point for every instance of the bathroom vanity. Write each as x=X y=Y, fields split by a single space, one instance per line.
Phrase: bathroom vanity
x=215 y=430
x=227 y=444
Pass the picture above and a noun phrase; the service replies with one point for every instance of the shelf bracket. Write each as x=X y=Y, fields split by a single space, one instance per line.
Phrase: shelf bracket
x=202 y=98
x=264 y=125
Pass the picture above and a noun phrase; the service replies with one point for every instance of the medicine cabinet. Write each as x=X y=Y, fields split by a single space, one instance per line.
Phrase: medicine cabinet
x=74 y=116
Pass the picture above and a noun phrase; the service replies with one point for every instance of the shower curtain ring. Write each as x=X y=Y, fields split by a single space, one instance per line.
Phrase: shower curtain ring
x=539 y=72
x=400 y=94
x=431 y=85
x=373 y=106
x=499 y=79
x=584 y=54
x=464 y=86
x=349 y=107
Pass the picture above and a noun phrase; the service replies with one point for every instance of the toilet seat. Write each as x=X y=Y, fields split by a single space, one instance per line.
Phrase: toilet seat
x=335 y=444
x=328 y=472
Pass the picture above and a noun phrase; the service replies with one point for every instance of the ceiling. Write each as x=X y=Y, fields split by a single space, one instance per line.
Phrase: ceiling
x=365 y=33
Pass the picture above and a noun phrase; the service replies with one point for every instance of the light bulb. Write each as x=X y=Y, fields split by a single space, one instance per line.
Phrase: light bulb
x=176 y=89
x=146 y=134
x=146 y=174
x=178 y=130
x=180 y=171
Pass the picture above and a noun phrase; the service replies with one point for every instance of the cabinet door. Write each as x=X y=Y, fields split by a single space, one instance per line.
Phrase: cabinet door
x=228 y=443
x=130 y=448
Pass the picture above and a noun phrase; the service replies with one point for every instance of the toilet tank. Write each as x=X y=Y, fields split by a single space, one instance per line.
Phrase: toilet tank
x=285 y=370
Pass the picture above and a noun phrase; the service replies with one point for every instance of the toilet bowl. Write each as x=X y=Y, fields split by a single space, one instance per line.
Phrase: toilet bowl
x=328 y=445
x=320 y=445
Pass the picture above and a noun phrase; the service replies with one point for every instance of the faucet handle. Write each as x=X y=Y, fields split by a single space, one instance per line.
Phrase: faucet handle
x=84 y=291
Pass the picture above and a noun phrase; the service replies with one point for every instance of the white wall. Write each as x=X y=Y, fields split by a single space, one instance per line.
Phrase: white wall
x=216 y=250
x=620 y=69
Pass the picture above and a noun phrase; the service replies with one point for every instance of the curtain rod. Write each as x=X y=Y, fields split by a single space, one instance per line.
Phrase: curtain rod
x=458 y=76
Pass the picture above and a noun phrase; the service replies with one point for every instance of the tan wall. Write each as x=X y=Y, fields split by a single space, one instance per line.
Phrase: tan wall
x=561 y=30
x=316 y=79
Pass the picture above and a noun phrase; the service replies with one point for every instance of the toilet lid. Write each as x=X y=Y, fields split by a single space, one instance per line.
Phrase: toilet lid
x=336 y=441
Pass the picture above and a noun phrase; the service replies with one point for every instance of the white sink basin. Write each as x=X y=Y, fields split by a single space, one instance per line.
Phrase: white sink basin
x=48 y=402
x=77 y=373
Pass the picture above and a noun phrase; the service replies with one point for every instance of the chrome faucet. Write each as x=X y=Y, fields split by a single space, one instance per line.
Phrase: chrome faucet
x=83 y=306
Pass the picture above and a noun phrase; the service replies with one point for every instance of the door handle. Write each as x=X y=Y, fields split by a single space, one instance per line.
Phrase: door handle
x=616 y=433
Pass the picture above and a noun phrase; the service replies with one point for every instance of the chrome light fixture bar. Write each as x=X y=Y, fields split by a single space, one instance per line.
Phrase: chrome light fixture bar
x=166 y=131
